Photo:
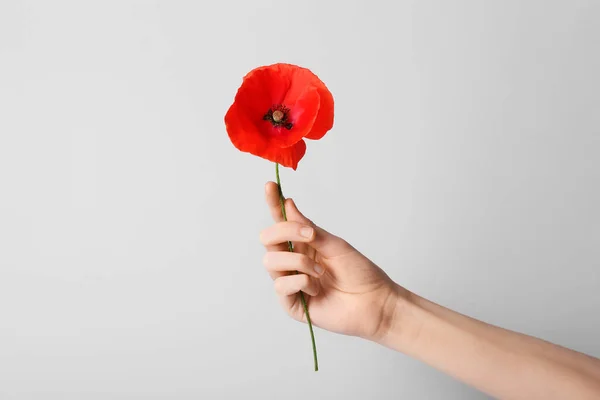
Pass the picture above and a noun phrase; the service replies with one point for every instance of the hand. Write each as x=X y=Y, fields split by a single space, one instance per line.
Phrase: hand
x=346 y=292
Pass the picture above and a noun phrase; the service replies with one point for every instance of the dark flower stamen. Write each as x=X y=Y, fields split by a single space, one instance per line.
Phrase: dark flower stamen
x=278 y=116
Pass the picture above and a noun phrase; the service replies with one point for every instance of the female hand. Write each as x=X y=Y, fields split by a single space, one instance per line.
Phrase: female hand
x=346 y=293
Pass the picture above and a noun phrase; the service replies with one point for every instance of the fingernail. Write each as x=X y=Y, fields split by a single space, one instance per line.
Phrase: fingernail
x=307 y=232
x=318 y=269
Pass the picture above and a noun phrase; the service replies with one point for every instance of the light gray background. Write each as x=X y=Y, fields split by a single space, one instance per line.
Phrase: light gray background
x=464 y=161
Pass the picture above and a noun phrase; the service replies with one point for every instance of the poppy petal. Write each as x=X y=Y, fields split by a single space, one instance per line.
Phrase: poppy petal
x=302 y=115
x=300 y=79
x=324 y=121
x=258 y=93
x=243 y=134
x=288 y=156
x=247 y=138
x=269 y=84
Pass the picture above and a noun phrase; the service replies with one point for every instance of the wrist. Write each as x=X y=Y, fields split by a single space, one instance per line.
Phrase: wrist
x=401 y=327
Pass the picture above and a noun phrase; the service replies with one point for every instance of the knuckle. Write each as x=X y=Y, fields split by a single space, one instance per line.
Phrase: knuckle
x=316 y=289
x=304 y=280
x=312 y=288
x=278 y=285
x=261 y=236
x=289 y=224
x=266 y=259
x=305 y=262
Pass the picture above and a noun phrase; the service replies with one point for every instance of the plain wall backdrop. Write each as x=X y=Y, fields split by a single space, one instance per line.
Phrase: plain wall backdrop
x=464 y=161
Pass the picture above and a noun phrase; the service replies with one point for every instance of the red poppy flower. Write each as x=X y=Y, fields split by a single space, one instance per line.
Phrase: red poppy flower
x=275 y=109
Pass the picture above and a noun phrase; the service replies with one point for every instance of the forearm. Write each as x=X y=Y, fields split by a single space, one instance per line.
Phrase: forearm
x=502 y=363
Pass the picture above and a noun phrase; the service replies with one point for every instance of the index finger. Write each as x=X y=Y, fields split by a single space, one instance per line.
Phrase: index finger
x=273 y=202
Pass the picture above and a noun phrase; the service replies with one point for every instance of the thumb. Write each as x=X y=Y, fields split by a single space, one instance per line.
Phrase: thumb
x=324 y=242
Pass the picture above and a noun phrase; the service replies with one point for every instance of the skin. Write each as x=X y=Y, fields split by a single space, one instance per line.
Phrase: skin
x=348 y=294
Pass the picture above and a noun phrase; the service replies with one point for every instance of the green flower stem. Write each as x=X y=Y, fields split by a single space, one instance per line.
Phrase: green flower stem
x=291 y=249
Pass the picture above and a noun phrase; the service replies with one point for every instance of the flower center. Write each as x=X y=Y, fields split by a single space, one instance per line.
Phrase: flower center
x=278 y=116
